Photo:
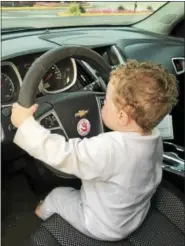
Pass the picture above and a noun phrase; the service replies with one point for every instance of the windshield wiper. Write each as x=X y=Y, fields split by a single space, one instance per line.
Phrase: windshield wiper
x=47 y=29
x=16 y=29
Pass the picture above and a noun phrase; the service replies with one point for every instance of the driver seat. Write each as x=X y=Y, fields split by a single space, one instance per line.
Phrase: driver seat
x=163 y=226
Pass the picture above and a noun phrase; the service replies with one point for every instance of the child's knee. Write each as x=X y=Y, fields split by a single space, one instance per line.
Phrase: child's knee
x=43 y=211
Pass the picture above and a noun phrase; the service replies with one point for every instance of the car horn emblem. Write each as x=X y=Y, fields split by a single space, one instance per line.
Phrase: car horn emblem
x=81 y=113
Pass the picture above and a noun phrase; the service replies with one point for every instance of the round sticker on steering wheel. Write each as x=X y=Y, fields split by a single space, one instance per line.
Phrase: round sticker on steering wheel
x=83 y=127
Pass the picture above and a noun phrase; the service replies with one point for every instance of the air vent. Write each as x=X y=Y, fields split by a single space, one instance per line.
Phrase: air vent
x=178 y=64
x=83 y=77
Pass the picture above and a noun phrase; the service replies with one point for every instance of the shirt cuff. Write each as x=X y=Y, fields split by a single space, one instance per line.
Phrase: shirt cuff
x=30 y=134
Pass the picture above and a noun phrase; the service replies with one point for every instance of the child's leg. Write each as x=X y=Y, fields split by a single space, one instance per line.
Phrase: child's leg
x=66 y=202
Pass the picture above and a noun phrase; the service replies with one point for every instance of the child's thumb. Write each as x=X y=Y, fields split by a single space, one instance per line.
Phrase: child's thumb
x=34 y=108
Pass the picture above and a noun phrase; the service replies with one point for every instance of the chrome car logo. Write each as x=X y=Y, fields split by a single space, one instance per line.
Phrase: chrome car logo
x=81 y=113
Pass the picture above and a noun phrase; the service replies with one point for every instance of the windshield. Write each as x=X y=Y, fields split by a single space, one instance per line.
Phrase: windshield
x=31 y=14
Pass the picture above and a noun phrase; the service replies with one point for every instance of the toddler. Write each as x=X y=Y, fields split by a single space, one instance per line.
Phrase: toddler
x=120 y=170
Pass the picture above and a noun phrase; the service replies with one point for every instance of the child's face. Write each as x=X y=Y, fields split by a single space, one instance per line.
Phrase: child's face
x=109 y=110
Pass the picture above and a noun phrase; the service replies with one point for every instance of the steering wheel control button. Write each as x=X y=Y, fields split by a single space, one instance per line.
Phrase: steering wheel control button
x=101 y=100
x=6 y=111
x=50 y=122
x=83 y=127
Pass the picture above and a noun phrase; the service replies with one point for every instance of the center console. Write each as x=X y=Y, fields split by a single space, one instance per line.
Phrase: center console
x=173 y=158
x=173 y=164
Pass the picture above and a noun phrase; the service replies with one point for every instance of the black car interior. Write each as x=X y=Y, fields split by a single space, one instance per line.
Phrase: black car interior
x=66 y=70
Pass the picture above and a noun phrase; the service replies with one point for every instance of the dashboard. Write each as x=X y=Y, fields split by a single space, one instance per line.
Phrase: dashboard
x=115 y=45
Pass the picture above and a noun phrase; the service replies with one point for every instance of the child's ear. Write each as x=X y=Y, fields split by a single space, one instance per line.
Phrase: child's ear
x=123 y=118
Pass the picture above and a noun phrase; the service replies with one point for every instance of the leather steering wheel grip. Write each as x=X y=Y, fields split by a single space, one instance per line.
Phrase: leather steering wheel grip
x=38 y=69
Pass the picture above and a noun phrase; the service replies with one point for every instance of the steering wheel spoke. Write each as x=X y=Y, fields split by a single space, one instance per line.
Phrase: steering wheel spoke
x=100 y=98
x=51 y=121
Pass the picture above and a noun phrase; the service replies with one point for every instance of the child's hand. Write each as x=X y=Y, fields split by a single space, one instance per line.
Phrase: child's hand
x=20 y=114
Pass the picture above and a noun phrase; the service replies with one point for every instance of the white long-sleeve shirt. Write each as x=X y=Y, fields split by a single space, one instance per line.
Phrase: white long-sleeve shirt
x=119 y=171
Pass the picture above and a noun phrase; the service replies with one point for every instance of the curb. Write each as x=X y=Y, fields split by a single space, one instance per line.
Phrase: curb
x=61 y=14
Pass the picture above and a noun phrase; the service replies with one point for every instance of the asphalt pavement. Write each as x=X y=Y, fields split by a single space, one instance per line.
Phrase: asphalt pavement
x=49 y=18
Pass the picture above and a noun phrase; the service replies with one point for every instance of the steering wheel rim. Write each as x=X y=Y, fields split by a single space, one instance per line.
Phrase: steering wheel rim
x=56 y=104
x=38 y=69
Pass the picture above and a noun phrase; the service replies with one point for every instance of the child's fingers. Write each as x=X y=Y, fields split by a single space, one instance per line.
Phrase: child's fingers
x=14 y=105
x=34 y=108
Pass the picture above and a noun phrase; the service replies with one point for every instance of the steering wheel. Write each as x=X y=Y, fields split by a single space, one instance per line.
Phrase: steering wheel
x=75 y=114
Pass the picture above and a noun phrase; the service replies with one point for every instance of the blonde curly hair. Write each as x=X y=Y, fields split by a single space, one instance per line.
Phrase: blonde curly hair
x=145 y=91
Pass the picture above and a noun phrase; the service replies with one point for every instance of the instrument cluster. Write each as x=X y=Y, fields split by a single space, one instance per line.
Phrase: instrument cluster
x=60 y=77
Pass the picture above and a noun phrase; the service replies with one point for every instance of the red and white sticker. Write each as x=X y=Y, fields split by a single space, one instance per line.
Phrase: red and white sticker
x=83 y=127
